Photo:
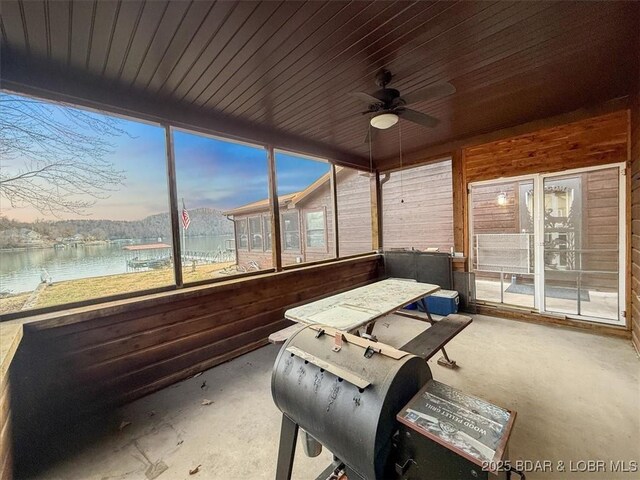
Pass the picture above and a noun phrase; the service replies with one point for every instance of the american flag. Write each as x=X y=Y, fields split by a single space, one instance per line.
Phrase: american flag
x=186 y=221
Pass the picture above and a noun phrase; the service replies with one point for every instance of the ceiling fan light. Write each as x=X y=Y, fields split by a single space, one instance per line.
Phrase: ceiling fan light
x=384 y=120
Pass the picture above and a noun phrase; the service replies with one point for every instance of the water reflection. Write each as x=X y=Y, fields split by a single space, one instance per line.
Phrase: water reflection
x=21 y=270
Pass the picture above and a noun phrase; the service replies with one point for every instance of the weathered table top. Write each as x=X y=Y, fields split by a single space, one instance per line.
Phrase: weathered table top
x=355 y=308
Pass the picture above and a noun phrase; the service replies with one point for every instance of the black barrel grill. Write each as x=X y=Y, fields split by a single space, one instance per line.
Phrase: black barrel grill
x=346 y=392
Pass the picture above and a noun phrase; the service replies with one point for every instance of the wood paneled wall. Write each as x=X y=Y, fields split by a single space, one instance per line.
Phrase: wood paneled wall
x=585 y=143
x=354 y=212
x=635 y=205
x=488 y=216
x=10 y=338
x=588 y=142
x=600 y=228
x=6 y=457
x=81 y=361
x=592 y=136
x=417 y=207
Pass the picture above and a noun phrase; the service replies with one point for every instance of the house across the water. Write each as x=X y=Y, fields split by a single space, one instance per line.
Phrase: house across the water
x=306 y=222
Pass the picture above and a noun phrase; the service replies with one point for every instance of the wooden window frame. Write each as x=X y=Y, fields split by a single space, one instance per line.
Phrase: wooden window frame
x=250 y=233
x=266 y=222
x=283 y=231
x=237 y=235
x=305 y=212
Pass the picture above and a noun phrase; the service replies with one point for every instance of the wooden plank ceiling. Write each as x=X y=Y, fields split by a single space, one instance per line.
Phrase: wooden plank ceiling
x=288 y=67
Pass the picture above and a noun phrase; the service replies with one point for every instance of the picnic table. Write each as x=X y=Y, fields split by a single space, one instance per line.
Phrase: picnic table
x=361 y=307
x=348 y=311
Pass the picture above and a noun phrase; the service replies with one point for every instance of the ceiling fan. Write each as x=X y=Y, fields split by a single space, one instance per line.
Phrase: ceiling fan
x=387 y=105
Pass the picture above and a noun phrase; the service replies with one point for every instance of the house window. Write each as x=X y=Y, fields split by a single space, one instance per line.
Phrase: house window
x=303 y=186
x=266 y=228
x=242 y=234
x=315 y=229
x=290 y=231
x=255 y=232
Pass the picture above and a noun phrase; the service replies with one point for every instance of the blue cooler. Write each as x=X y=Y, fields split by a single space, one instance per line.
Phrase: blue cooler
x=442 y=302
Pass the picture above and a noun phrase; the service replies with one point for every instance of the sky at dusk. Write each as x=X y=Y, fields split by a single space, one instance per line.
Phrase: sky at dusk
x=210 y=173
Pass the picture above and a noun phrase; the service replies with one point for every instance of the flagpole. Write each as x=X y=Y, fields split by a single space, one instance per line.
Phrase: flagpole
x=184 y=232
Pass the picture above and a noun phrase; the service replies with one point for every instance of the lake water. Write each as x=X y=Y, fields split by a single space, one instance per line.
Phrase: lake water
x=20 y=270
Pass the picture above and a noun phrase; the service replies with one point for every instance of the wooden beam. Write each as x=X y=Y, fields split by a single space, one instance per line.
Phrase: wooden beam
x=436 y=152
x=459 y=202
x=334 y=202
x=274 y=208
x=55 y=83
x=376 y=212
x=173 y=206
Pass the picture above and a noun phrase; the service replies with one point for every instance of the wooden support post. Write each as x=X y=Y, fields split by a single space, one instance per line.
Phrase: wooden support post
x=376 y=212
x=459 y=202
x=334 y=203
x=276 y=243
x=173 y=206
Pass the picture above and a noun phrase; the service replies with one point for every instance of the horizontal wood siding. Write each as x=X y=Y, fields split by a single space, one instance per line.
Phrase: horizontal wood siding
x=354 y=212
x=488 y=216
x=585 y=143
x=354 y=222
x=86 y=360
x=600 y=229
x=635 y=202
x=6 y=457
x=417 y=207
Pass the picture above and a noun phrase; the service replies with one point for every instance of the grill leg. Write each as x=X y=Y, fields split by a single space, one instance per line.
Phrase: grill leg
x=287 y=448
x=444 y=360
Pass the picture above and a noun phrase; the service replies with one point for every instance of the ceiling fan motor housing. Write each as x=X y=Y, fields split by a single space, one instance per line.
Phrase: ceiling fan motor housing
x=383 y=78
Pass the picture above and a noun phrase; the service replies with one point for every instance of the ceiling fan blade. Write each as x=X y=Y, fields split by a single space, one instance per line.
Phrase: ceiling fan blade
x=365 y=97
x=373 y=132
x=419 y=118
x=431 y=92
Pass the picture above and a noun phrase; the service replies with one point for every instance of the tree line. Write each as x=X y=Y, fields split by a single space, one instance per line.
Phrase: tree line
x=204 y=221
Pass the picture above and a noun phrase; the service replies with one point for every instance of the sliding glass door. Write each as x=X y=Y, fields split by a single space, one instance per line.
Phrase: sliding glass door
x=552 y=243
x=503 y=243
x=582 y=244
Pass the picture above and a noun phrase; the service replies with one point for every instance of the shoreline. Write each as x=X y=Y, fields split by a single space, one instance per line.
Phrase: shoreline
x=70 y=291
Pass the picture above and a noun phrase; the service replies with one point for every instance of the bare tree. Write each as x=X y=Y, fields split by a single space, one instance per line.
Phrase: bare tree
x=54 y=159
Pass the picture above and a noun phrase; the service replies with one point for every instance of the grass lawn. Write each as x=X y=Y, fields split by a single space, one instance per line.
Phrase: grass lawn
x=88 y=288
x=13 y=303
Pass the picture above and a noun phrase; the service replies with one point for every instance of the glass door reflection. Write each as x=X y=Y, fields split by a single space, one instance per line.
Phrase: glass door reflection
x=581 y=244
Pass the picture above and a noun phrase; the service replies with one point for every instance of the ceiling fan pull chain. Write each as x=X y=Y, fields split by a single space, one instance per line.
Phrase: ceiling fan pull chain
x=401 y=172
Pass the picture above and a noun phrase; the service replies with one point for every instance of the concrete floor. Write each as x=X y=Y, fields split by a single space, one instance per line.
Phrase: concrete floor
x=577 y=396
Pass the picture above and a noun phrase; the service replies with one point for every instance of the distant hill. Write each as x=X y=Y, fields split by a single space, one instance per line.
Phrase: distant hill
x=204 y=221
